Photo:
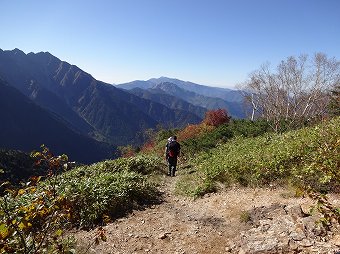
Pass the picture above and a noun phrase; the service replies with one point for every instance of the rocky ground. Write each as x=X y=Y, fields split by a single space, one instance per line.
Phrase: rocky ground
x=236 y=220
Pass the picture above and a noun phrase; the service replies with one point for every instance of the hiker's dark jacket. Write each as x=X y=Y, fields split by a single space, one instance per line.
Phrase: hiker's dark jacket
x=176 y=147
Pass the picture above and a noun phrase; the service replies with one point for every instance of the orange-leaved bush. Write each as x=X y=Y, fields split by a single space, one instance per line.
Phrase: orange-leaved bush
x=193 y=131
x=216 y=117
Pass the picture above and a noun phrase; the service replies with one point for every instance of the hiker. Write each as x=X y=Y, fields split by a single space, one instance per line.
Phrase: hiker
x=172 y=151
x=166 y=148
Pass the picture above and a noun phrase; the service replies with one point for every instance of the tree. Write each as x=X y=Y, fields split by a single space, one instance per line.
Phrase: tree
x=295 y=92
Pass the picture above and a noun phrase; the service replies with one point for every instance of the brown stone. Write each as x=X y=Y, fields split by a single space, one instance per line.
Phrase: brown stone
x=306 y=209
x=298 y=234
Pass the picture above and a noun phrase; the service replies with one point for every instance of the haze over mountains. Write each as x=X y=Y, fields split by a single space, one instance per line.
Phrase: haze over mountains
x=71 y=112
x=234 y=106
x=217 y=92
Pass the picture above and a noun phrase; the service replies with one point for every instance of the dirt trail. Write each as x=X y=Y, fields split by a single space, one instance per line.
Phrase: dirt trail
x=182 y=225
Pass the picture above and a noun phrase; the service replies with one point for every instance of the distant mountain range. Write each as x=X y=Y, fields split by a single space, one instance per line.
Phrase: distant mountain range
x=53 y=102
x=169 y=100
x=227 y=94
x=197 y=95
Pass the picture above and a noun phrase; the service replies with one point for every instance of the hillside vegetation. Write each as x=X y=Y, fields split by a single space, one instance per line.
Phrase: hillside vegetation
x=237 y=152
x=307 y=158
x=35 y=216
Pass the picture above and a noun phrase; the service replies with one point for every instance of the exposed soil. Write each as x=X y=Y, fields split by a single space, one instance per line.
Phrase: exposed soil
x=212 y=224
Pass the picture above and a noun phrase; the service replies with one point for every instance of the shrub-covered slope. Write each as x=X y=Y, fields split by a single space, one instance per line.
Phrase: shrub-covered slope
x=308 y=158
x=33 y=218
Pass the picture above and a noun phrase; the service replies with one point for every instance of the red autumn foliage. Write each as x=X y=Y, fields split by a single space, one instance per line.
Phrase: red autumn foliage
x=216 y=117
x=148 y=146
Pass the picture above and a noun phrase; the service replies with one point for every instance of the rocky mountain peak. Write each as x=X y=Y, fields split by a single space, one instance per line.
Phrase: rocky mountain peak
x=17 y=51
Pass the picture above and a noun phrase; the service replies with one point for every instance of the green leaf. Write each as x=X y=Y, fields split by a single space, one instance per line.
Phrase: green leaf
x=59 y=232
x=22 y=225
x=3 y=231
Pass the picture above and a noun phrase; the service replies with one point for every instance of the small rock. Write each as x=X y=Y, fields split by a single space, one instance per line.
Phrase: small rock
x=295 y=211
x=293 y=245
x=306 y=243
x=228 y=249
x=162 y=236
x=306 y=209
x=298 y=235
x=336 y=240
x=241 y=251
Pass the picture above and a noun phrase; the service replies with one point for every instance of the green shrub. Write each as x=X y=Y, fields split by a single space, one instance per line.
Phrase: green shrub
x=248 y=128
x=108 y=189
x=105 y=195
x=144 y=164
x=245 y=217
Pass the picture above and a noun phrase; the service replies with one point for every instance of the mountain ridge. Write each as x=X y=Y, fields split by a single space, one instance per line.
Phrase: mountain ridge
x=168 y=100
x=91 y=107
x=227 y=94
x=198 y=95
x=25 y=126
x=235 y=109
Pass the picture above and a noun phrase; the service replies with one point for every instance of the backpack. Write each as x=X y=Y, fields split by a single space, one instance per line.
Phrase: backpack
x=173 y=149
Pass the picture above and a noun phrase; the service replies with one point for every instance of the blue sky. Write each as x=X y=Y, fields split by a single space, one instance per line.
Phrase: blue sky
x=210 y=42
